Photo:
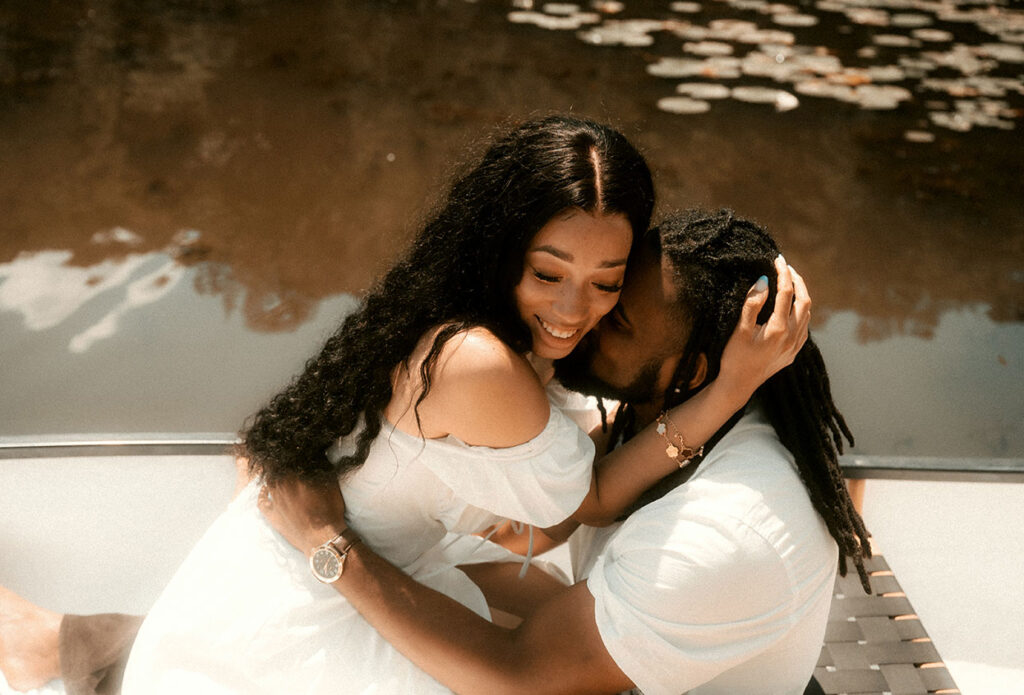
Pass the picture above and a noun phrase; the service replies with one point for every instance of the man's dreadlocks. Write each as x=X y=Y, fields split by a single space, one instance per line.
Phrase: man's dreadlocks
x=716 y=257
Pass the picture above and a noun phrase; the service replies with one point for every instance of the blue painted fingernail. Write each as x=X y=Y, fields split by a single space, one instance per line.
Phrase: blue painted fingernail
x=762 y=284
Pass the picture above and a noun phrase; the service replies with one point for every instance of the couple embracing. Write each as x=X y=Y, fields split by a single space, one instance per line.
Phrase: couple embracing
x=712 y=513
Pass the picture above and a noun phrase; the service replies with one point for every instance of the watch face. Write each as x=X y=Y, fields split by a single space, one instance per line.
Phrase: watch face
x=325 y=565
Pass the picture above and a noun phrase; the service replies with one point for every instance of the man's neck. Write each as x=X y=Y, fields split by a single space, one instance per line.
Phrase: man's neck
x=647 y=412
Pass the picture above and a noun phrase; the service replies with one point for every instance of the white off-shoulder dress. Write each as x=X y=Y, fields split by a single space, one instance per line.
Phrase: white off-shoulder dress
x=243 y=614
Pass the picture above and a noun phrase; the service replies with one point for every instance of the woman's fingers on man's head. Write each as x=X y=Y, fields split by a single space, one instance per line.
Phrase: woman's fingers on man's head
x=801 y=302
x=757 y=295
x=779 y=320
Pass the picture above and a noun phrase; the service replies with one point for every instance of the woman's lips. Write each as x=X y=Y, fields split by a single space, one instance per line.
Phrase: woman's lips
x=558 y=333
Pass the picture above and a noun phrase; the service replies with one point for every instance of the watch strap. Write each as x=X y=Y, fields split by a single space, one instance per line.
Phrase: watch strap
x=344 y=541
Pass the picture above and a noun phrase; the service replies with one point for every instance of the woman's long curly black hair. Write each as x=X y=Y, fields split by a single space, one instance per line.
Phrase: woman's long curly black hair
x=460 y=271
x=716 y=257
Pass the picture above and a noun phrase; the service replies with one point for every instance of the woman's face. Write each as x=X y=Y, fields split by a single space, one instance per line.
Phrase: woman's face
x=572 y=276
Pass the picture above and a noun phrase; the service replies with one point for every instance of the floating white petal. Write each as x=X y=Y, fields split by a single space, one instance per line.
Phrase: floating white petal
x=755 y=95
x=608 y=6
x=722 y=67
x=615 y=34
x=919 y=136
x=932 y=35
x=881 y=97
x=703 y=90
x=868 y=16
x=895 y=40
x=707 y=48
x=1002 y=52
x=684 y=105
x=911 y=21
x=886 y=73
x=795 y=20
x=561 y=8
x=685 y=7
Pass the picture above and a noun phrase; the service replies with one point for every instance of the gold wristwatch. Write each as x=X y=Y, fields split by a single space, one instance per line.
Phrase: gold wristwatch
x=328 y=560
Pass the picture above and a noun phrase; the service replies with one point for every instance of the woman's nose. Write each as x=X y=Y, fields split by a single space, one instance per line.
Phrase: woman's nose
x=571 y=304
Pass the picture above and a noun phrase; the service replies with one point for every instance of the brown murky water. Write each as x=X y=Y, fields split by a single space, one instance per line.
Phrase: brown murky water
x=192 y=191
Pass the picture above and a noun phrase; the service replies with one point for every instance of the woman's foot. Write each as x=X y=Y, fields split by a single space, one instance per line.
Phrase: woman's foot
x=29 y=642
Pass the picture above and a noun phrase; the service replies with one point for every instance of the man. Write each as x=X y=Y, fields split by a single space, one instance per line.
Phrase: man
x=721 y=584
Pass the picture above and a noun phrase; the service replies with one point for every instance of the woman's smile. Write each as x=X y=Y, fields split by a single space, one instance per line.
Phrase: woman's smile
x=561 y=334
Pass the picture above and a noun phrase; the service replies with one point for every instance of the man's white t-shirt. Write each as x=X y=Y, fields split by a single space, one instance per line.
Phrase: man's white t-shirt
x=721 y=586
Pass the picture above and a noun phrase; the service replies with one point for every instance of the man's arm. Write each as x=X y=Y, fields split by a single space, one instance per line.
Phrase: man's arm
x=507 y=591
x=558 y=649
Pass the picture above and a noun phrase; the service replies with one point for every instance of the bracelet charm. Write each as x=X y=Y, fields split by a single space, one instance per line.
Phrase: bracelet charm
x=677 y=449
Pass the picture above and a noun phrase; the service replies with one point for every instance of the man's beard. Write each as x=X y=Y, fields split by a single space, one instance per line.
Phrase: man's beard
x=574 y=373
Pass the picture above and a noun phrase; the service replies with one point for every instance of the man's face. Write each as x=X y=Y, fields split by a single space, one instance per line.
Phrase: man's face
x=633 y=352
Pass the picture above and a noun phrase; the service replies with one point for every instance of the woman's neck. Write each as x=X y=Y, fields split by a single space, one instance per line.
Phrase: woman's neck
x=544 y=367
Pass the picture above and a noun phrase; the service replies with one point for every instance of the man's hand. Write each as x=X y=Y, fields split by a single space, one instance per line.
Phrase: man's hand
x=306 y=515
x=755 y=352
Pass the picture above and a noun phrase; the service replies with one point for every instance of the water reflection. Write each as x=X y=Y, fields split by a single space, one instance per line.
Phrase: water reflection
x=46 y=292
x=268 y=158
x=46 y=289
x=175 y=364
x=965 y=402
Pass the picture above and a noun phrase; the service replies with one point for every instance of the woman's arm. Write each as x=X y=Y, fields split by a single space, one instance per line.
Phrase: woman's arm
x=753 y=354
x=514 y=536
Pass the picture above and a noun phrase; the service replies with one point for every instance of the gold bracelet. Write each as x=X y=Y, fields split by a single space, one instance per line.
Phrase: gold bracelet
x=677 y=450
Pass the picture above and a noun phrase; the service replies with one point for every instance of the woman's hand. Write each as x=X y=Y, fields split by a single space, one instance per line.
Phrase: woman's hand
x=756 y=352
x=306 y=515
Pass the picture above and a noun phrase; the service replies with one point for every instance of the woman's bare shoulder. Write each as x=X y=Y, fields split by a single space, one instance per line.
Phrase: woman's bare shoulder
x=477 y=352
x=482 y=391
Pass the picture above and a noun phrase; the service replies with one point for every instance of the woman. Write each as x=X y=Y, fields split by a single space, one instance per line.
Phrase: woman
x=431 y=402
x=526 y=253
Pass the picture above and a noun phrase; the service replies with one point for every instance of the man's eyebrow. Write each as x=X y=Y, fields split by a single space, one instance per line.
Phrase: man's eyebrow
x=617 y=309
x=568 y=257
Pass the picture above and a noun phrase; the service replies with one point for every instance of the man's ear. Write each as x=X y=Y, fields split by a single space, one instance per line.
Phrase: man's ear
x=701 y=371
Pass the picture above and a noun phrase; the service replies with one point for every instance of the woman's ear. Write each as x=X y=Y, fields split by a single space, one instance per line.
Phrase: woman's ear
x=701 y=371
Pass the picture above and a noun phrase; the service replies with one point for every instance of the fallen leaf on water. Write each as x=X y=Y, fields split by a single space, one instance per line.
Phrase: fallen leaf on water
x=683 y=105
x=919 y=136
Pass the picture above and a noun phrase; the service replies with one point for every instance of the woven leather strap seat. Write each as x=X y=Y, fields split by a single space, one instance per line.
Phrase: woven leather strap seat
x=876 y=644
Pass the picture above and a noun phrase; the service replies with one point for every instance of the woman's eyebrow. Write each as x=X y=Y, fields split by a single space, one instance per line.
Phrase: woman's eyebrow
x=568 y=257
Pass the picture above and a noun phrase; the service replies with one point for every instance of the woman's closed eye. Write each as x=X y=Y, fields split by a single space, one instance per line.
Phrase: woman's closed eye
x=611 y=289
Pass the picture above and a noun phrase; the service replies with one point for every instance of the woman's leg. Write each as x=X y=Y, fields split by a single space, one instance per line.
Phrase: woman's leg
x=29 y=642
x=88 y=652
x=94 y=651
